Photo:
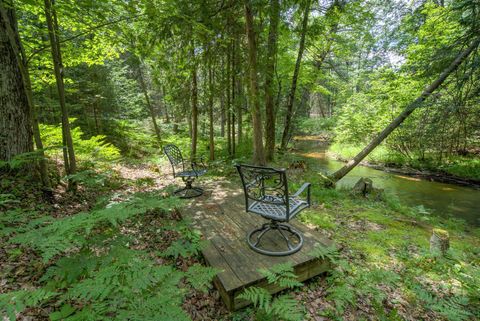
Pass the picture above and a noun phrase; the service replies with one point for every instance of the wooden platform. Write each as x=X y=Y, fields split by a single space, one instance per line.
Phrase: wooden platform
x=220 y=215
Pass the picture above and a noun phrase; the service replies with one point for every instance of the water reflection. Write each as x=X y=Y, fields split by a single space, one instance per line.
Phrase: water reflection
x=440 y=198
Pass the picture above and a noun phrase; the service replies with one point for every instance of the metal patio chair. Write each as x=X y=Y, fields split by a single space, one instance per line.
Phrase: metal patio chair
x=197 y=168
x=267 y=195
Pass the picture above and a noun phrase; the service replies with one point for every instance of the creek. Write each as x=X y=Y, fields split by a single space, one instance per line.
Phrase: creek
x=434 y=198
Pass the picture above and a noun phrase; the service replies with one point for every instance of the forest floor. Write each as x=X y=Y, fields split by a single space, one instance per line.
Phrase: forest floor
x=383 y=267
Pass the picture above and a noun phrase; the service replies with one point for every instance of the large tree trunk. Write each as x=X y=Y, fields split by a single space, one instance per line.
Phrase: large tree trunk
x=293 y=88
x=11 y=29
x=52 y=24
x=15 y=117
x=258 y=150
x=269 y=72
x=143 y=85
x=405 y=113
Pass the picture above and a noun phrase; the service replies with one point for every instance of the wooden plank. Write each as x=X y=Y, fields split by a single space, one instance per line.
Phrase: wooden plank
x=222 y=219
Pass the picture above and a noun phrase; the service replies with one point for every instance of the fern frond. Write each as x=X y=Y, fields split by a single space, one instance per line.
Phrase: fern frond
x=259 y=297
x=200 y=277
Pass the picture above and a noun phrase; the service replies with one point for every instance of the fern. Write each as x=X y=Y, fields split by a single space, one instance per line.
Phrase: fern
x=15 y=302
x=72 y=233
x=281 y=274
x=325 y=252
x=284 y=307
x=200 y=277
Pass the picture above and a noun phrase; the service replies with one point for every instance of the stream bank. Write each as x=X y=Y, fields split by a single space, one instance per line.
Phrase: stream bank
x=433 y=197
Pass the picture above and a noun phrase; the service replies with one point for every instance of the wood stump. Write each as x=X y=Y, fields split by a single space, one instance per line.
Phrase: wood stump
x=439 y=241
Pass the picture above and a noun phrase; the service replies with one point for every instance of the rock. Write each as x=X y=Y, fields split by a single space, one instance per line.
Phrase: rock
x=439 y=241
x=364 y=186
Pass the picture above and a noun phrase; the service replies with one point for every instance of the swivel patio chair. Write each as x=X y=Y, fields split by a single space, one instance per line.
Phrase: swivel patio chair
x=197 y=168
x=266 y=194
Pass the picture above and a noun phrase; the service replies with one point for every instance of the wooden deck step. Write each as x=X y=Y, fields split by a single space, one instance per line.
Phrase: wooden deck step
x=220 y=215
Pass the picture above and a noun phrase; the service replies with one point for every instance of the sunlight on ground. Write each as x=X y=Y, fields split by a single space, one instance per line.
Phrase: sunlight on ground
x=409 y=178
x=316 y=155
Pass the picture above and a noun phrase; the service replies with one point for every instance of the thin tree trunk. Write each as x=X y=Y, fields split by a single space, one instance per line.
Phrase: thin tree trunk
x=269 y=72
x=258 y=150
x=296 y=72
x=143 y=85
x=234 y=98
x=52 y=24
x=239 y=110
x=165 y=107
x=405 y=113
x=210 y=112
x=229 y=102
x=194 y=117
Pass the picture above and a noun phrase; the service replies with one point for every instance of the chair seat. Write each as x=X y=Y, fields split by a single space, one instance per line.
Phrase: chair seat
x=277 y=211
x=191 y=173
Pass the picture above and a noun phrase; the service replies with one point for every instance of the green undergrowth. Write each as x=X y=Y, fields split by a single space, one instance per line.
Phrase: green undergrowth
x=461 y=166
x=385 y=263
x=118 y=261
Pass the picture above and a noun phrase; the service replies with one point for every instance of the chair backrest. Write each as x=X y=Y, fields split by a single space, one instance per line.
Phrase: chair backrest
x=175 y=157
x=264 y=184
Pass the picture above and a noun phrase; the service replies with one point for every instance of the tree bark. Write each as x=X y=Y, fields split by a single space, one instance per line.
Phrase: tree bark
x=405 y=113
x=258 y=150
x=269 y=73
x=15 y=116
x=293 y=88
x=52 y=24
x=11 y=28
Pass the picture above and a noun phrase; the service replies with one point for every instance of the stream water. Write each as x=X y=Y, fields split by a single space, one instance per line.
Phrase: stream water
x=437 y=198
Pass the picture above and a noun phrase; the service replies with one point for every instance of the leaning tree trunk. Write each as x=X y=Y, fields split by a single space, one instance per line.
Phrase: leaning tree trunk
x=293 y=88
x=269 y=72
x=15 y=117
x=258 y=151
x=405 y=113
x=50 y=15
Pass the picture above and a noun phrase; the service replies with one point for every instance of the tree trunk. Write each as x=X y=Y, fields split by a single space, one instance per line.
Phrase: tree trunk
x=234 y=98
x=16 y=45
x=52 y=24
x=194 y=117
x=229 y=102
x=143 y=85
x=405 y=113
x=293 y=88
x=165 y=107
x=258 y=151
x=210 y=112
x=15 y=117
x=269 y=72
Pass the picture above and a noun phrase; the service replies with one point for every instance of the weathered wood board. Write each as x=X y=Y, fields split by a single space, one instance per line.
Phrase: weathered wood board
x=220 y=215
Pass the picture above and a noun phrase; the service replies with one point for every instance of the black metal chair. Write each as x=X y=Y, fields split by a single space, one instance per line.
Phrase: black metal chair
x=188 y=175
x=266 y=194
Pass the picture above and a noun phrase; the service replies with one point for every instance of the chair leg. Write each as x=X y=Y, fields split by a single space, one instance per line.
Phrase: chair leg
x=280 y=228
x=188 y=191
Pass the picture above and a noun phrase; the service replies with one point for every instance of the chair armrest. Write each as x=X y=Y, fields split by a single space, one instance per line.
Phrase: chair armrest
x=198 y=164
x=302 y=189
